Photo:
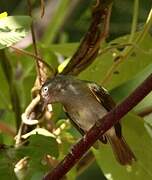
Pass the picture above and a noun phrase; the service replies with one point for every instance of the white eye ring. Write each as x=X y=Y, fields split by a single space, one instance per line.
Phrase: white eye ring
x=45 y=89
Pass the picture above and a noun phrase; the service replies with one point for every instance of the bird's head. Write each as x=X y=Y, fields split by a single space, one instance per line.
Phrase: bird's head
x=57 y=89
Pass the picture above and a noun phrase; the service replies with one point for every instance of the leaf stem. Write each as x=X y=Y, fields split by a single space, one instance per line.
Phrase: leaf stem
x=6 y=129
x=23 y=52
x=42 y=8
x=34 y=41
x=134 y=21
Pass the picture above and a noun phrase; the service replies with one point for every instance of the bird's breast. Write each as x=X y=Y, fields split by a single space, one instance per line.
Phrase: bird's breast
x=86 y=114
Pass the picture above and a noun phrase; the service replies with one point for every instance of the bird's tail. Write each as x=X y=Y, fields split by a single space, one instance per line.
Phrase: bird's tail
x=123 y=153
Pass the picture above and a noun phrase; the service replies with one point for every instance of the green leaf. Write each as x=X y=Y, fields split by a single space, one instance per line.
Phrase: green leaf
x=56 y=22
x=71 y=174
x=66 y=49
x=6 y=167
x=136 y=62
x=4 y=91
x=148 y=127
x=9 y=119
x=126 y=88
x=141 y=144
x=24 y=76
x=13 y=29
x=37 y=176
x=49 y=56
x=39 y=146
x=25 y=85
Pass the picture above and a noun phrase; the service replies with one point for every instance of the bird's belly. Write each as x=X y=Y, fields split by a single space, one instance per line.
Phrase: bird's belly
x=86 y=117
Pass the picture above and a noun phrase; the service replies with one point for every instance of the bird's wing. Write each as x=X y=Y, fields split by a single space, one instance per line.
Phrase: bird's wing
x=102 y=96
x=81 y=131
x=106 y=100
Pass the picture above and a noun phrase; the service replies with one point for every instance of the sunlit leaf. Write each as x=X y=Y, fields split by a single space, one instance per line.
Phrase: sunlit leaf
x=63 y=65
x=13 y=29
x=3 y=15
x=66 y=49
x=40 y=131
x=139 y=59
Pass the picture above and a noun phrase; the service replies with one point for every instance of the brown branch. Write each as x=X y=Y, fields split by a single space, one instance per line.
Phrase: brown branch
x=42 y=8
x=32 y=28
x=97 y=32
x=6 y=129
x=99 y=129
x=35 y=112
x=23 y=52
x=39 y=65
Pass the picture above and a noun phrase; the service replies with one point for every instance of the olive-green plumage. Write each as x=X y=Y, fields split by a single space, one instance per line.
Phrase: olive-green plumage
x=85 y=102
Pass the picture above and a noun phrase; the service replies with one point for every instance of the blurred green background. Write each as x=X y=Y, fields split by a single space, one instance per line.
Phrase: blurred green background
x=58 y=33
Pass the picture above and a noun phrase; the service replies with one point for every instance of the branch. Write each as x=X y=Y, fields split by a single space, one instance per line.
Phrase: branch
x=99 y=129
x=42 y=8
x=33 y=112
x=6 y=129
x=24 y=52
x=39 y=65
x=97 y=32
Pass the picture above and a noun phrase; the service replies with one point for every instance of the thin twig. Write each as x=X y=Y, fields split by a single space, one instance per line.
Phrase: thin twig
x=38 y=63
x=42 y=8
x=6 y=129
x=134 y=20
x=113 y=47
x=23 y=126
x=34 y=110
x=23 y=52
x=99 y=129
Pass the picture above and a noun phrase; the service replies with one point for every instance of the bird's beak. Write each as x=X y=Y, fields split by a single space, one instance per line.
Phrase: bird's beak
x=44 y=104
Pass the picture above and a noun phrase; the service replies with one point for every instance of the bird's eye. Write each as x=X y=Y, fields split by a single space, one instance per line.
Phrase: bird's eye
x=44 y=92
x=45 y=89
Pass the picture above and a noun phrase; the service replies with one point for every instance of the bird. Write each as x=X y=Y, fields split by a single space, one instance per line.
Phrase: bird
x=85 y=102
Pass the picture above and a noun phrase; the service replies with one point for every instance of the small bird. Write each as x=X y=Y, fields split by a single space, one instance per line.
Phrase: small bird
x=85 y=103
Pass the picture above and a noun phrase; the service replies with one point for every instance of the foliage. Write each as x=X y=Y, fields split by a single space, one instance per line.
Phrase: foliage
x=134 y=65
x=13 y=29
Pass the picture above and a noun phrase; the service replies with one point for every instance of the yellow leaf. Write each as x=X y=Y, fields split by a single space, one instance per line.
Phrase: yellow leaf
x=62 y=65
x=3 y=15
